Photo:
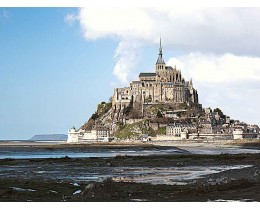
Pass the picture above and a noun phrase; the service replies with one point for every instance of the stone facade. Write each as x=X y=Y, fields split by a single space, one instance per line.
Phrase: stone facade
x=73 y=135
x=97 y=133
x=180 y=130
x=165 y=85
x=238 y=134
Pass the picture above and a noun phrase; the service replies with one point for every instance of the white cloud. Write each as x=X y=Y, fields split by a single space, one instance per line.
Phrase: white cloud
x=126 y=58
x=226 y=69
x=239 y=103
x=205 y=30
x=122 y=22
x=218 y=47
x=234 y=30
x=227 y=81
x=71 y=18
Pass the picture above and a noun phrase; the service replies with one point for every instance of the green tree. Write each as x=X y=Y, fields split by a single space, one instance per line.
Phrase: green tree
x=159 y=114
x=129 y=108
x=94 y=116
x=219 y=112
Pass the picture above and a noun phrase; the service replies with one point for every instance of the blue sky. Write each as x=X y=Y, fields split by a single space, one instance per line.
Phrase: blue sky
x=51 y=78
x=57 y=64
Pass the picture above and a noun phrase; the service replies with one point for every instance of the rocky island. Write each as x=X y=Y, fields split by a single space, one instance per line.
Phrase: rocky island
x=161 y=105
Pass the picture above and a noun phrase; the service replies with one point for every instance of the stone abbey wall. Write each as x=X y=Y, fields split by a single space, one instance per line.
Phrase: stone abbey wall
x=164 y=85
x=156 y=89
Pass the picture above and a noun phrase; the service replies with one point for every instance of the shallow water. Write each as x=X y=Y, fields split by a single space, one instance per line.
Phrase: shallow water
x=172 y=175
x=216 y=151
x=154 y=175
x=33 y=153
x=240 y=200
x=44 y=153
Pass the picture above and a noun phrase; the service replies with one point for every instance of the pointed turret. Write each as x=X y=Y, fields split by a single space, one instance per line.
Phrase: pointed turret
x=191 y=82
x=160 y=64
x=160 y=58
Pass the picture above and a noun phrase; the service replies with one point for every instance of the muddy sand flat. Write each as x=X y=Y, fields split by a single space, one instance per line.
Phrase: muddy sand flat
x=164 y=171
x=185 y=177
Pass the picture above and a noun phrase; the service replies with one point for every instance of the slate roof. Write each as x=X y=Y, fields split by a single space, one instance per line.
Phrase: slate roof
x=168 y=68
x=160 y=58
x=147 y=74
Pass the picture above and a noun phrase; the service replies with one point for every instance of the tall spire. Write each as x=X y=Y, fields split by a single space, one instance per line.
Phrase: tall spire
x=160 y=58
x=160 y=50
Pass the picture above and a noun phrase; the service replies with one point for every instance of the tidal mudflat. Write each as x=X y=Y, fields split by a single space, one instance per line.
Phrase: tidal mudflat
x=180 y=176
x=36 y=150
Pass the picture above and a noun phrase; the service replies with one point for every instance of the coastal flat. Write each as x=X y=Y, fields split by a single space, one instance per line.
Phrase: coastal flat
x=254 y=143
x=182 y=177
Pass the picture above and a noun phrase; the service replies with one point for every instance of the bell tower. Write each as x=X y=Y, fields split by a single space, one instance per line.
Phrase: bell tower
x=160 y=64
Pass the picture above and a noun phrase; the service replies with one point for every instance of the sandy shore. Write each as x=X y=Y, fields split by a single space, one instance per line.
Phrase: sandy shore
x=205 y=143
x=202 y=144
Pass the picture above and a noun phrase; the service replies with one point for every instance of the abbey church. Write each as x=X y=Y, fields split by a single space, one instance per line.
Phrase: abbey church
x=165 y=85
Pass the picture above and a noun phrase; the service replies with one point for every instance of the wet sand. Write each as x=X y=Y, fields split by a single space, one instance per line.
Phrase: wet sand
x=183 y=143
x=184 y=176
x=148 y=178
x=105 y=150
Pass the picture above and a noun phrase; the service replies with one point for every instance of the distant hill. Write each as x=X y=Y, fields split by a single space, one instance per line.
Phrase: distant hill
x=49 y=137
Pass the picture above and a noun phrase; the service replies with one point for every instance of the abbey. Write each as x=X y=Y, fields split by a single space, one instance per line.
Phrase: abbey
x=162 y=106
x=165 y=85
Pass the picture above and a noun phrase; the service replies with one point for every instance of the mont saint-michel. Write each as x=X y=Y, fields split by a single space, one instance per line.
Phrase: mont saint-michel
x=160 y=105
x=171 y=130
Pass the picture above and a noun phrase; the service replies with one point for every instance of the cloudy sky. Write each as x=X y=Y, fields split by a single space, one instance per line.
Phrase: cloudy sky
x=56 y=64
